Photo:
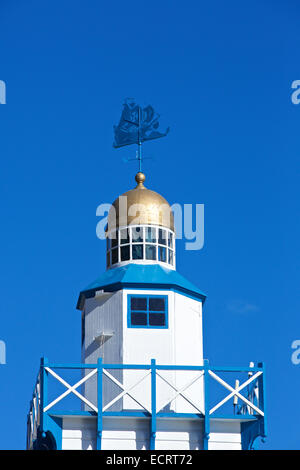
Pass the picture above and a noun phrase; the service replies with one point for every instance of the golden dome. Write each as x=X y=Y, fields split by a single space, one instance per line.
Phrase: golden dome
x=140 y=206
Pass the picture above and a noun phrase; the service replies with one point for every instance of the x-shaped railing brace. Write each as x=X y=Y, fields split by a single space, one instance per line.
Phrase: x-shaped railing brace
x=125 y=391
x=180 y=392
x=34 y=411
x=71 y=389
x=235 y=392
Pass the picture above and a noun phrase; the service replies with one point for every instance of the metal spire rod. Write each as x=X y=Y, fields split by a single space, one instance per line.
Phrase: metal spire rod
x=139 y=142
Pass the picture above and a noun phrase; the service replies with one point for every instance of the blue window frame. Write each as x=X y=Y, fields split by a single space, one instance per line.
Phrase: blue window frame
x=147 y=311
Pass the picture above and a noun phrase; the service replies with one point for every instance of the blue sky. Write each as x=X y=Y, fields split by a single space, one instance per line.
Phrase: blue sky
x=220 y=74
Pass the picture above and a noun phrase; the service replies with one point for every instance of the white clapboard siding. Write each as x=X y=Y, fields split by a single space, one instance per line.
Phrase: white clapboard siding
x=224 y=446
x=79 y=433
x=131 y=433
x=103 y=314
x=78 y=444
x=225 y=435
x=123 y=444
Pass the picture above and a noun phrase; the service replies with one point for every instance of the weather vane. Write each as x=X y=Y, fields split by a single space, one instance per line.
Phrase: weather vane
x=137 y=125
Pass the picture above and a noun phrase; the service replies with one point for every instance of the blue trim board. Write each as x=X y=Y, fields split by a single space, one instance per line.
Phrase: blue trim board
x=153 y=405
x=141 y=276
x=148 y=366
x=60 y=414
x=127 y=413
x=206 y=406
x=99 y=403
x=54 y=425
x=161 y=414
x=250 y=432
x=43 y=393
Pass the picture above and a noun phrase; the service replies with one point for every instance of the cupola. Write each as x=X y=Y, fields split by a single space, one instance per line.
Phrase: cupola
x=140 y=228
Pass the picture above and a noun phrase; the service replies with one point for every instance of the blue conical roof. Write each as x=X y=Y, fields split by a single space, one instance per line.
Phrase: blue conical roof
x=153 y=276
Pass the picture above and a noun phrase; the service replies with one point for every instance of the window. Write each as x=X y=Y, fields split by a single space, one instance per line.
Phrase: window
x=137 y=234
x=148 y=311
x=114 y=239
x=162 y=240
x=150 y=252
x=125 y=253
x=150 y=235
x=138 y=242
x=114 y=256
x=171 y=257
x=124 y=236
x=137 y=252
x=162 y=254
x=170 y=240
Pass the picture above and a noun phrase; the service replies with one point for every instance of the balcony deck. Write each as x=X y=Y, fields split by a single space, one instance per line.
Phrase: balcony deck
x=194 y=394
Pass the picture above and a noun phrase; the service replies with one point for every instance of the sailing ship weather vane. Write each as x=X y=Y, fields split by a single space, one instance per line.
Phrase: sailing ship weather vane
x=136 y=126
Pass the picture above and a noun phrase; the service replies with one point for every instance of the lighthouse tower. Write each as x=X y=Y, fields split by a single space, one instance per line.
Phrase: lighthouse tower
x=143 y=382
x=141 y=308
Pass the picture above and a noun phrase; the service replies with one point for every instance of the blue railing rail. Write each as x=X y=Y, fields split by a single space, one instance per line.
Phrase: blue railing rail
x=248 y=398
x=34 y=414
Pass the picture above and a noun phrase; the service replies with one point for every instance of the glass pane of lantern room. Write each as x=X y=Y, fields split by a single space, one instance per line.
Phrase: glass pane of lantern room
x=125 y=253
x=137 y=252
x=114 y=256
x=150 y=252
x=150 y=234
x=162 y=234
x=114 y=238
x=137 y=234
x=162 y=256
x=124 y=236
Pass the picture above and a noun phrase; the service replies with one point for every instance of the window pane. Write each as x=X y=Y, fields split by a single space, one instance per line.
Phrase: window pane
x=157 y=304
x=125 y=253
x=138 y=318
x=162 y=256
x=114 y=256
x=157 y=319
x=150 y=234
x=107 y=259
x=137 y=252
x=107 y=244
x=138 y=303
x=170 y=239
x=137 y=234
x=171 y=257
x=124 y=236
x=150 y=252
x=162 y=237
x=114 y=239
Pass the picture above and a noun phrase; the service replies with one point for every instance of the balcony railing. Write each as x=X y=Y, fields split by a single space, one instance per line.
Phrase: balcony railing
x=190 y=392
